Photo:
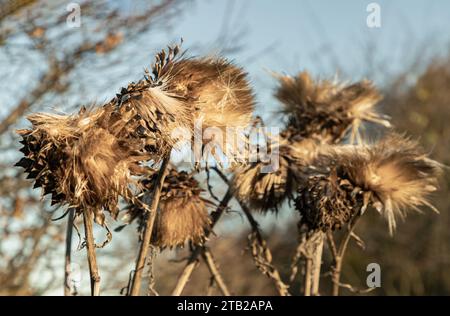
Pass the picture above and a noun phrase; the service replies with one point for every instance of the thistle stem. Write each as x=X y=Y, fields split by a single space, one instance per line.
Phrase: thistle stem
x=186 y=273
x=339 y=254
x=336 y=276
x=310 y=248
x=193 y=259
x=317 y=263
x=265 y=261
x=90 y=248
x=68 y=255
x=150 y=220
x=307 y=280
x=214 y=270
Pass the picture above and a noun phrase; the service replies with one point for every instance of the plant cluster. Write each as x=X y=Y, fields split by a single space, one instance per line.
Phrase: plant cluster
x=120 y=152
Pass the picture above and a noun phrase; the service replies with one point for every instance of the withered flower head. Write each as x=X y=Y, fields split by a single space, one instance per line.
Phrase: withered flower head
x=264 y=185
x=393 y=175
x=85 y=161
x=180 y=92
x=88 y=160
x=326 y=201
x=325 y=109
x=218 y=91
x=159 y=112
x=220 y=99
x=182 y=212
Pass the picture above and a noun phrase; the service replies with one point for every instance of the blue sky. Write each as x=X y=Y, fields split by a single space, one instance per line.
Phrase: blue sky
x=300 y=27
x=325 y=37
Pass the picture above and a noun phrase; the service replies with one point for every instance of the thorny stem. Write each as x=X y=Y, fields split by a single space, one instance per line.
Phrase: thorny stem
x=214 y=270
x=150 y=220
x=68 y=255
x=90 y=248
x=264 y=263
x=339 y=253
x=193 y=259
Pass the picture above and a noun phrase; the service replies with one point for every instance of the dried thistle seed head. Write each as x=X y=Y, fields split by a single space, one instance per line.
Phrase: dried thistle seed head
x=211 y=93
x=327 y=202
x=264 y=191
x=80 y=162
x=182 y=212
x=327 y=110
x=218 y=92
x=264 y=185
x=396 y=171
x=221 y=101
x=157 y=115
x=180 y=221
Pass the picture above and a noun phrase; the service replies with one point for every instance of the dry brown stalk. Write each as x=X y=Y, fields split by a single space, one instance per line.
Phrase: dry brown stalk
x=90 y=248
x=302 y=256
x=193 y=259
x=214 y=270
x=151 y=276
x=262 y=258
x=261 y=253
x=300 y=253
x=338 y=255
x=68 y=256
x=316 y=262
x=186 y=273
x=265 y=258
x=153 y=200
x=209 y=289
x=309 y=251
x=307 y=277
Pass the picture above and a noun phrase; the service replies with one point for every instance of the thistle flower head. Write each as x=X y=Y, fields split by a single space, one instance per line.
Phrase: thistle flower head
x=393 y=175
x=211 y=93
x=325 y=109
x=327 y=202
x=267 y=183
x=152 y=109
x=220 y=101
x=83 y=160
x=218 y=91
x=182 y=212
